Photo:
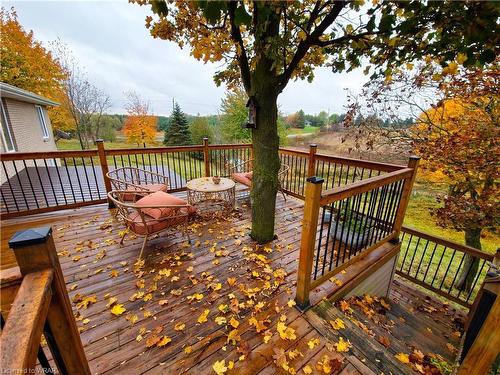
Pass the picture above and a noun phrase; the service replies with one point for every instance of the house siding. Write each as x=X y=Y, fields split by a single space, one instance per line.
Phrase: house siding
x=378 y=283
x=27 y=132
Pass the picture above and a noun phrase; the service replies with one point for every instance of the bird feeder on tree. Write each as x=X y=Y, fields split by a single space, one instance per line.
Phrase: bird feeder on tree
x=252 y=114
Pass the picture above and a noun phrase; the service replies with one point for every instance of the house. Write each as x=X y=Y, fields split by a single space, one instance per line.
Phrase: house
x=25 y=125
x=25 y=122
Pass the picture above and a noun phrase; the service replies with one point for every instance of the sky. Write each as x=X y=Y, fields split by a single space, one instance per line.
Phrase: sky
x=111 y=43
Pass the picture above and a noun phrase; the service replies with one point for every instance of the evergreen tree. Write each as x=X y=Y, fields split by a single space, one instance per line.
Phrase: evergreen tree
x=177 y=133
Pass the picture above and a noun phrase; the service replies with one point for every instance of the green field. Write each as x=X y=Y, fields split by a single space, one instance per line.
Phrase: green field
x=306 y=130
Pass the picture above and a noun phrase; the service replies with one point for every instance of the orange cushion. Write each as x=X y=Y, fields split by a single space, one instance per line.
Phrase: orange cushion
x=152 y=226
x=151 y=187
x=160 y=198
x=242 y=179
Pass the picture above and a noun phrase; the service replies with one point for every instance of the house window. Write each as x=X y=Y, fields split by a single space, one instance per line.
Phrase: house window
x=7 y=138
x=43 y=123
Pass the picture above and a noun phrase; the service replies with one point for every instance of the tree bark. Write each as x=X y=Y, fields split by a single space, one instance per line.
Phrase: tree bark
x=266 y=166
x=470 y=264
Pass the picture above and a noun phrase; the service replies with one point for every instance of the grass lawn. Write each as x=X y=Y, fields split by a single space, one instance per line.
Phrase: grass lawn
x=307 y=130
x=419 y=217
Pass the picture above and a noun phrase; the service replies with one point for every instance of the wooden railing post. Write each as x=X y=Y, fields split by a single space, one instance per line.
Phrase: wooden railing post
x=485 y=348
x=405 y=195
x=35 y=251
x=104 y=168
x=308 y=240
x=206 y=157
x=311 y=169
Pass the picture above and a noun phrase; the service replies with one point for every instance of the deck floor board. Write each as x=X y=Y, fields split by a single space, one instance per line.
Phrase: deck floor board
x=111 y=342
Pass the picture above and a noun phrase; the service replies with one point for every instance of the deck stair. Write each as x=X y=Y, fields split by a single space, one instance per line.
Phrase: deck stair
x=435 y=329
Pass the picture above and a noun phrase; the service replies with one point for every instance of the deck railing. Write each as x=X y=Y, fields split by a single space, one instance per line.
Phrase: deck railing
x=34 y=301
x=36 y=182
x=437 y=264
x=344 y=223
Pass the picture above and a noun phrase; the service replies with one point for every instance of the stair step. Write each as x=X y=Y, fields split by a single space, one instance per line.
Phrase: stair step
x=377 y=357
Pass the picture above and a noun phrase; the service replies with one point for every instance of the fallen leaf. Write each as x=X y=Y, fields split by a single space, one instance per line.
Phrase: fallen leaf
x=220 y=367
x=337 y=324
x=164 y=341
x=118 y=309
x=402 y=357
x=312 y=343
x=179 y=326
x=342 y=346
x=384 y=340
x=204 y=316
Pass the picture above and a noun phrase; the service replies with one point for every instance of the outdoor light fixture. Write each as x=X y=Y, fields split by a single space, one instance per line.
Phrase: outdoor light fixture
x=252 y=114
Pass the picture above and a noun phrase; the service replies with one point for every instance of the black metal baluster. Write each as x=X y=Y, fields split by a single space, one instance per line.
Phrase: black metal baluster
x=438 y=266
x=10 y=186
x=457 y=271
x=87 y=178
x=337 y=218
x=41 y=183
x=319 y=246
x=328 y=236
x=421 y=259
x=31 y=184
x=447 y=269
x=475 y=281
x=97 y=186
x=414 y=254
x=21 y=186
x=363 y=223
x=78 y=179
x=69 y=180
x=347 y=201
x=430 y=262
x=406 y=252
x=63 y=188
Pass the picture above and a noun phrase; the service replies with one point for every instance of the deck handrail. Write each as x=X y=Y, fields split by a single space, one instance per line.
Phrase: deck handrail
x=344 y=224
x=38 y=182
x=436 y=264
x=37 y=302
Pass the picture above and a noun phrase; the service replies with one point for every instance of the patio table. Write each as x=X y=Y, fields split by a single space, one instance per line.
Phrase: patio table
x=210 y=197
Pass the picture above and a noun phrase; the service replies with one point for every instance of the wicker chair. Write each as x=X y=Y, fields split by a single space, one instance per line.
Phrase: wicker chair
x=138 y=219
x=242 y=173
x=135 y=179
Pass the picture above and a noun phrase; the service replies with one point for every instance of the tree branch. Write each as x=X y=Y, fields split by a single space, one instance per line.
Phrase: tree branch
x=304 y=45
x=237 y=38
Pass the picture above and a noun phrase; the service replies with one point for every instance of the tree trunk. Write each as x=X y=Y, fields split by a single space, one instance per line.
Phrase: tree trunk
x=266 y=165
x=470 y=264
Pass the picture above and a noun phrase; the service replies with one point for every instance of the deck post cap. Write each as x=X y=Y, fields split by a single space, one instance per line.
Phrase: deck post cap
x=315 y=180
x=28 y=237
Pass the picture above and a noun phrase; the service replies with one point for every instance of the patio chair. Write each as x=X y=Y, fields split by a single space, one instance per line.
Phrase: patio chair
x=135 y=179
x=243 y=174
x=151 y=214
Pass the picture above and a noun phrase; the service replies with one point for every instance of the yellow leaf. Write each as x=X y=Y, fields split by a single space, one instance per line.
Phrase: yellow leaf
x=203 y=317
x=234 y=323
x=220 y=320
x=85 y=321
x=179 y=327
x=220 y=367
x=342 y=346
x=112 y=301
x=312 y=343
x=291 y=303
x=188 y=349
x=403 y=358
x=118 y=309
x=132 y=318
x=164 y=341
x=286 y=333
x=337 y=324
x=307 y=369
x=231 y=281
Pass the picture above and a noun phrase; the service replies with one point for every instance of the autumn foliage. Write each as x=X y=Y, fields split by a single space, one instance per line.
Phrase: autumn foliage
x=140 y=125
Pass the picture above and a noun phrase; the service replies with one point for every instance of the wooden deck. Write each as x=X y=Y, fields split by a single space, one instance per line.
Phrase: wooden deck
x=221 y=272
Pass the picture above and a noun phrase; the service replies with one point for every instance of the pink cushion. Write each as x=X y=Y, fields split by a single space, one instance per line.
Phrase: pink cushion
x=242 y=179
x=160 y=198
x=249 y=175
x=152 y=226
x=150 y=187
